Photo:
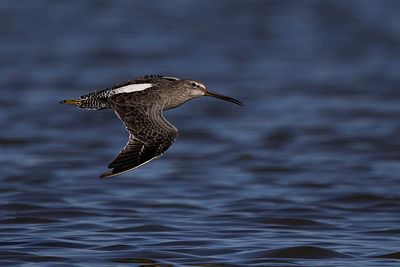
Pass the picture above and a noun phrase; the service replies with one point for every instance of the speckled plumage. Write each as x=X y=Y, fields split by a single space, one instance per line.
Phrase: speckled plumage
x=139 y=104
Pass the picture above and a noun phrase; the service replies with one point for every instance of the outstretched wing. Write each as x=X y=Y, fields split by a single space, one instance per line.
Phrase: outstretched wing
x=150 y=135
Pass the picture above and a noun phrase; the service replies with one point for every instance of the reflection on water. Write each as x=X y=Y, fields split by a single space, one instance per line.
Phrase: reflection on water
x=306 y=174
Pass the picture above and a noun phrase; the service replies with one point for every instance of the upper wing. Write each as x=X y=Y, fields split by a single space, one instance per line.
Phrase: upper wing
x=150 y=135
x=146 y=79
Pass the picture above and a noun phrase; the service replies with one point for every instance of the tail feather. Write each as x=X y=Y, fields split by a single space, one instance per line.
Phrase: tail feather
x=87 y=103
x=75 y=102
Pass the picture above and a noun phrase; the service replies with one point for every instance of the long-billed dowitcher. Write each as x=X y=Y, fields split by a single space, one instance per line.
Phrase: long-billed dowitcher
x=139 y=104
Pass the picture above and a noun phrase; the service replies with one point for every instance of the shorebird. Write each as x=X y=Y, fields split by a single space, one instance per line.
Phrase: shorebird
x=139 y=104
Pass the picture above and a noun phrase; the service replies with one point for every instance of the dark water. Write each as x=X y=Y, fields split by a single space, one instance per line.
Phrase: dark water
x=307 y=174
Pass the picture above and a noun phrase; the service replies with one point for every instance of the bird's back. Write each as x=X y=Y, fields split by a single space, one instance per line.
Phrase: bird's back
x=127 y=92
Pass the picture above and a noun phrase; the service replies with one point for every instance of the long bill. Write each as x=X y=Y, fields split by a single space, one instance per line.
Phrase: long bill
x=223 y=97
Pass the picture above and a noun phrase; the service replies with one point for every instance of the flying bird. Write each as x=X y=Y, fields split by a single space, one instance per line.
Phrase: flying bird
x=139 y=104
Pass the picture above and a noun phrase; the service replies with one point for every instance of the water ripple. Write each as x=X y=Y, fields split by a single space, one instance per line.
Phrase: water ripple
x=306 y=174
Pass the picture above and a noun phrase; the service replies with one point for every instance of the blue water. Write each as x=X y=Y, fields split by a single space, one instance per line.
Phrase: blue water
x=307 y=174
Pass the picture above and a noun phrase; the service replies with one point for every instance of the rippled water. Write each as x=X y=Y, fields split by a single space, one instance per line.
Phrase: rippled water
x=307 y=174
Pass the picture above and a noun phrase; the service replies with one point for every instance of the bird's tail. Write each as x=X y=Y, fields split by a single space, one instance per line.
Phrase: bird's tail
x=75 y=102
x=91 y=102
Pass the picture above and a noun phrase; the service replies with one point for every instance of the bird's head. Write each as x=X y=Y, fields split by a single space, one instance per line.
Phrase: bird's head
x=196 y=89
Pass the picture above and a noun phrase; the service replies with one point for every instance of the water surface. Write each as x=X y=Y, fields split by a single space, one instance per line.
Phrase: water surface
x=307 y=174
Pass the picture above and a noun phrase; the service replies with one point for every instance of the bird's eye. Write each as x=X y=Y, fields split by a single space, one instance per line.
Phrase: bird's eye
x=194 y=84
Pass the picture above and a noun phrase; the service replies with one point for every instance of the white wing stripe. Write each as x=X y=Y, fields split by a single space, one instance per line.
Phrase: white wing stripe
x=170 y=78
x=132 y=88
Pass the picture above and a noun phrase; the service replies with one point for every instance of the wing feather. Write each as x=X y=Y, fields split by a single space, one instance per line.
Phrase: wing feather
x=150 y=136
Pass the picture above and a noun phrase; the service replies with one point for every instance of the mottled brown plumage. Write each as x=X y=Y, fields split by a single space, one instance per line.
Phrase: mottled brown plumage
x=139 y=104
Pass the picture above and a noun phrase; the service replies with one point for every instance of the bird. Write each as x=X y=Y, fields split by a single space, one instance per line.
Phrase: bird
x=139 y=103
